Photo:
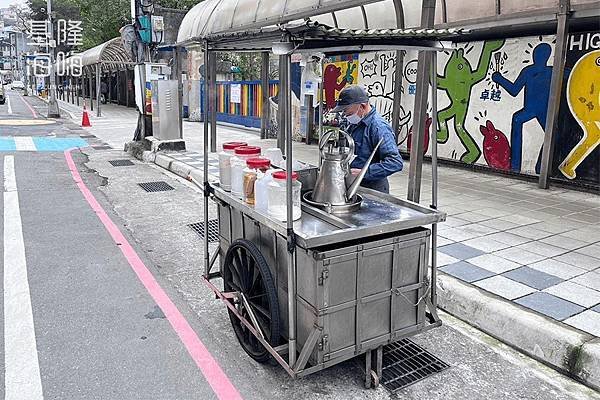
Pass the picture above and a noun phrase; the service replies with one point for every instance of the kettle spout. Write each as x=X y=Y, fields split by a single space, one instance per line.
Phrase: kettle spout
x=359 y=178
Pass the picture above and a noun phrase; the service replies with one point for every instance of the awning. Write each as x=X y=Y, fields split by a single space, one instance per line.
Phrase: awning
x=110 y=55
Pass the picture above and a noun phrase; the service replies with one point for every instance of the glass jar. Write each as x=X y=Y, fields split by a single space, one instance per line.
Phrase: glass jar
x=238 y=163
x=277 y=196
x=225 y=163
x=253 y=167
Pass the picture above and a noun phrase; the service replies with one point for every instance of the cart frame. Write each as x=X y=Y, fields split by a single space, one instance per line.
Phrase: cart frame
x=312 y=37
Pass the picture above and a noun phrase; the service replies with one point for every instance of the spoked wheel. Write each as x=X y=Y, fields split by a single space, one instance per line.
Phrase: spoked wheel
x=246 y=271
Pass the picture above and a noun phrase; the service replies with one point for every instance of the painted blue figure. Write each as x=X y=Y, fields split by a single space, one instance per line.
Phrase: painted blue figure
x=535 y=78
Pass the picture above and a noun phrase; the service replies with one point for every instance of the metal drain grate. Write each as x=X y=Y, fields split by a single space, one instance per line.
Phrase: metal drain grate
x=158 y=186
x=102 y=147
x=213 y=229
x=120 y=163
x=405 y=363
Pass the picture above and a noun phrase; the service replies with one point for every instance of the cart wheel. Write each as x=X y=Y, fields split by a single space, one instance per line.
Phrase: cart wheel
x=246 y=271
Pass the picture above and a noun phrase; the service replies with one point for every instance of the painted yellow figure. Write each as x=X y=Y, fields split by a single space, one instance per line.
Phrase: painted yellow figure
x=583 y=96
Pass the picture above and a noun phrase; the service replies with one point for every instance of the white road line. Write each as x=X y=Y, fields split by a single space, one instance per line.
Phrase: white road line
x=24 y=143
x=8 y=104
x=22 y=370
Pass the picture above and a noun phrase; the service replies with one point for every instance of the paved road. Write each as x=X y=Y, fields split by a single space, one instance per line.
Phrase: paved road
x=102 y=298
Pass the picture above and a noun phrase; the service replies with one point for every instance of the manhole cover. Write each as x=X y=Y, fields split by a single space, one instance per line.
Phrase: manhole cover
x=120 y=163
x=158 y=186
x=213 y=229
x=405 y=363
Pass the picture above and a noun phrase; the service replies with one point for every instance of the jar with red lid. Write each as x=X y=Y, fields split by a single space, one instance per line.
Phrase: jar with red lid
x=254 y=166
x=238 y=163
x=225 y=163
x=277 y=196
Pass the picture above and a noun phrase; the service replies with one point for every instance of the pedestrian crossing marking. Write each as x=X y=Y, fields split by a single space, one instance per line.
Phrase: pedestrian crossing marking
x=40 y=143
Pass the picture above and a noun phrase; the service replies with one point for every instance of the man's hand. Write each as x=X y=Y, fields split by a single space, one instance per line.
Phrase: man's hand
x=355 y=171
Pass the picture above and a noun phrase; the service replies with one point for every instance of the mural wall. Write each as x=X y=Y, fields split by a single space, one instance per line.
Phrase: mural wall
x=577 y=154
x=492 y=101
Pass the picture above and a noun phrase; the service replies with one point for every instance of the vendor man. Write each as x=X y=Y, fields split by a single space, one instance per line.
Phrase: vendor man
x=367 y=127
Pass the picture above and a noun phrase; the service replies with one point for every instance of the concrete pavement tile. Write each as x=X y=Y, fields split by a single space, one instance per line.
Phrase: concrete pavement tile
x=575 y=293
x=499 y=224
x=456 y=234
x=575 y=206
x=466 y=271
x=529 y=232
x=519 y=219
x=583 y=235
x=587 y=219
x=590 y=280
x=519 y=255
x=557 y=268
x=588 y=321
x=509 y=238
x=592 y=250
x=505 y=287
x=441 y=241
x=532 y=277
x=551 y=227
x=473 y=217
x=552 y=306
x=559 y=212
x=454 y=221
x=542 y=249
x=494 y=211
x=445 y=259
x=460 y=251
x=564 y=242
x=486 y=244
x=478 y=229
x=494 y=263
x=579 y=260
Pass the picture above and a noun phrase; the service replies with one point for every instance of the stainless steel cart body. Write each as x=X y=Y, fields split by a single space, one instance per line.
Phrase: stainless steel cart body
x=344 y=285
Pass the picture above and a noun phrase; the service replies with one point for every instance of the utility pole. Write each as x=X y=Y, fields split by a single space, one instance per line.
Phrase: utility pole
x=53 y=111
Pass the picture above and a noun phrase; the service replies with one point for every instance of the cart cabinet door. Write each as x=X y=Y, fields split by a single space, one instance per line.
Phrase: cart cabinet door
x=373 y=309
x=408 y=309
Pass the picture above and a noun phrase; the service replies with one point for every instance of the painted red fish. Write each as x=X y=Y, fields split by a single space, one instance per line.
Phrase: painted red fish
x=496 y=149
x=428 y=122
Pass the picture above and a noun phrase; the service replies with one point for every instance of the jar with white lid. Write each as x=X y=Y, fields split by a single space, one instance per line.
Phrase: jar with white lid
x=254 y=166
x=225 y=163
x=238 y=163
x=277 y=196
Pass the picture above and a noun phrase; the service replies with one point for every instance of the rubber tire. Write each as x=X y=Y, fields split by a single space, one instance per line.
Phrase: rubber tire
x=271 y=292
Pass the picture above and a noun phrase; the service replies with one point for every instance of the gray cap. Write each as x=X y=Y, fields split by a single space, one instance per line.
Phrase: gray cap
x=349 y=95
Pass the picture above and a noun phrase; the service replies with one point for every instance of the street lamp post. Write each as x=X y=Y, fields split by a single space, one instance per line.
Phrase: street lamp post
x=53 y=111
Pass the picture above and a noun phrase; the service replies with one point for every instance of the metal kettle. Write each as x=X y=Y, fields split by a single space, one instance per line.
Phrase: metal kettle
x=336 y=158
x=335 y=185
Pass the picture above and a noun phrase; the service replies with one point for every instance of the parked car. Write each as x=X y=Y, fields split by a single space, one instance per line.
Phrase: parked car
x=17 y=85
x=2 y=95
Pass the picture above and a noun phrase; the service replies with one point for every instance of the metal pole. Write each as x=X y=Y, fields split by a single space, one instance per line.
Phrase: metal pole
x=205 y=160
x=321 y=98
x=98 y=91
x=558 y=69
x=285 y=129
x=280 y=112
x=212 y=98
x=177 y=68
x=53 y=111
x=434 y=176
x=90 y=89
x=264 y=85
x=397 y=92
x=416 y=152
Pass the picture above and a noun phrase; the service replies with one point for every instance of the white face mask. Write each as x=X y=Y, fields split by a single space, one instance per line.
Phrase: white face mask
x=353 y=119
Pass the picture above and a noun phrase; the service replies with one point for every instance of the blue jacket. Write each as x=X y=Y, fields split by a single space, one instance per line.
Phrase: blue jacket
x=366 y=135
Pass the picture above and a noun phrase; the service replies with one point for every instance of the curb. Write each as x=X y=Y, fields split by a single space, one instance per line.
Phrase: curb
x=566 y=349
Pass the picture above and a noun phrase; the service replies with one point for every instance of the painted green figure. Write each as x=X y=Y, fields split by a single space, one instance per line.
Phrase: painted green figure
x=458 y=81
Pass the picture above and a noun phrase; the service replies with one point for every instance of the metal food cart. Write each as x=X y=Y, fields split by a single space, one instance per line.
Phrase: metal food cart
x=326 y=288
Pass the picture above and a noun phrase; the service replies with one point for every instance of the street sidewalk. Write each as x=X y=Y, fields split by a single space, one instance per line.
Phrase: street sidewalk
x=518 y=262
